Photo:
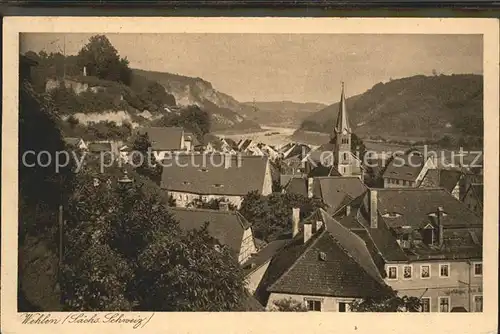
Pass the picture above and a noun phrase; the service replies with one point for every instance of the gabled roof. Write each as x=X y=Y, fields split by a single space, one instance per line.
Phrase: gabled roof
x=164 y=138
x=298 y=269
x=335 y=189
x=462 y=227
x=244 y=144
x=225 y=226
x=476 y=190
x=405 y=167
x=319 y=171
x=353 y=244
x=444 y=178
x=99 y=147
x=196 y=174
x=380 y=240
x=72 y=141
x=295 y=150
x=264 y=255
x=231 y=143
x=297 y=185
x=415 y=204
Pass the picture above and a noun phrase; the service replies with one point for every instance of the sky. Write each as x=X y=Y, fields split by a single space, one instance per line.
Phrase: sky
x=284 y=67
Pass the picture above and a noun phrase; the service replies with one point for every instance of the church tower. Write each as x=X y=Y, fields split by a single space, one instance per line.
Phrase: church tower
x=341 y=138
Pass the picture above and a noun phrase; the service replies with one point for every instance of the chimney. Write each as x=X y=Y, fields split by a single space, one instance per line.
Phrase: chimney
x=307 y=231
x=295 y=221
x=84 y=71
x=347 y=210
x=227 y=161
x=223 y=205
x=440 y=225
x=373 y=208
x=310 y=181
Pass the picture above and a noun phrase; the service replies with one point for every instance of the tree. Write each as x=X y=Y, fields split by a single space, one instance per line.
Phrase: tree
x=41 y=189
x=191 y=118
x=213 y=204
x=156 y=95
x=142 y=145
x=128 y=253
x=271 y=215
x=288 y=305
x=391 y=303
x=102 y=60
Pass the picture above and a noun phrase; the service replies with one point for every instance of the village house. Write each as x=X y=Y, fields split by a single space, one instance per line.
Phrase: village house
x=407 y=170
x=325 y=268
x=230 y=228
x=426 y=244
x=291 y=161
x=77 y=143
x=195 y=177
x=100 y=147
x=228 y=146
x=473 y=198
x=334 y=191
x=269 y=151
x=165 y=140
x=250 y=147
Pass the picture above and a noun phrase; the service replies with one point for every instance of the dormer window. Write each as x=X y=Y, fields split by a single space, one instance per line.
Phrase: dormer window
x=218 y=185
x=322 y=256
x=391 y=215
x=186 y=182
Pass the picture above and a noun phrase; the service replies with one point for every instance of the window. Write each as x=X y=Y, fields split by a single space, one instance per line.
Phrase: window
x=404 y=182
x=478 y=303
x=444 y=270
x=407 y=272
x=313 y=305
x=425 y=271
x=444 y=304
x=392 y=272
x=345 y=156
x=478 y=269
x=343 y=307
x=426 y=304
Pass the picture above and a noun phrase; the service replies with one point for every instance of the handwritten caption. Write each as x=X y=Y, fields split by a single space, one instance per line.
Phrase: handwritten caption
x=133 y=319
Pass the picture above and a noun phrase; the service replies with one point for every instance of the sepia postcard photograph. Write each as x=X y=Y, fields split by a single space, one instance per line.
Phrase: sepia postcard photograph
x=250 y=175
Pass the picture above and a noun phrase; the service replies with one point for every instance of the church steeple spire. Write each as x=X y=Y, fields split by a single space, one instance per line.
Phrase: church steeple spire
x=342 y=120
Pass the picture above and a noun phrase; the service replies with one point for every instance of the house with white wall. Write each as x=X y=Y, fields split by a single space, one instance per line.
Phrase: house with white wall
x=203 y=177
x=426 y=244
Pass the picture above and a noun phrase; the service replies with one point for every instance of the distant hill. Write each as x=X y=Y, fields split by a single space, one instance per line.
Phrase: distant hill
x=281 y=113
x=226 y=111
x=420 y=107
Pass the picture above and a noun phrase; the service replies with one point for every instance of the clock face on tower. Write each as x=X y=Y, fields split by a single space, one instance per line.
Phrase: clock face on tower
x=344 y=132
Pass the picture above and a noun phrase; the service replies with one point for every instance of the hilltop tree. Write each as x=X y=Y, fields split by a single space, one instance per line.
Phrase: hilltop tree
x=103 y=61
x=191 y=118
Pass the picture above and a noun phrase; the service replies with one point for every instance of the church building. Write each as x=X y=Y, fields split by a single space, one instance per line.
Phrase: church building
x=337 y=153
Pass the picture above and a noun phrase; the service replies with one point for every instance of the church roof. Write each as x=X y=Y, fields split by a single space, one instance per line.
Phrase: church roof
x=342 y=120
